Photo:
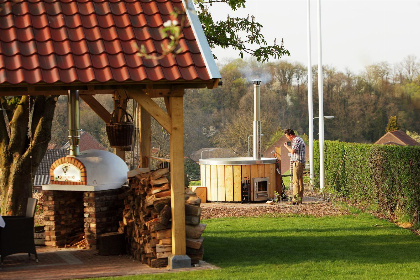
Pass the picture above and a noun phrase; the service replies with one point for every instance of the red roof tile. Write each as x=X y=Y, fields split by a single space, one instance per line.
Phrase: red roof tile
x=89 y=41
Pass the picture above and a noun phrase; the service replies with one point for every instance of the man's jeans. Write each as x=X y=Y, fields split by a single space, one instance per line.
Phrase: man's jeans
x=298 y=181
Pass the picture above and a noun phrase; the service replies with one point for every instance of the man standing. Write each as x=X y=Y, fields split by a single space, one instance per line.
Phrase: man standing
x=297 y=150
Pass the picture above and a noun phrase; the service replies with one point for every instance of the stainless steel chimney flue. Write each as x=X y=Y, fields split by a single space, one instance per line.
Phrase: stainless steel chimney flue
x=257 y=122
x=74 y=121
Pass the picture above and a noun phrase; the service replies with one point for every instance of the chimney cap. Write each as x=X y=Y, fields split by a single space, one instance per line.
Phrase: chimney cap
x=256 y=82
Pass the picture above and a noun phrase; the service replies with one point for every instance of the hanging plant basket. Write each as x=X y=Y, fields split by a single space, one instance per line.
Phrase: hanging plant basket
x=120 y=134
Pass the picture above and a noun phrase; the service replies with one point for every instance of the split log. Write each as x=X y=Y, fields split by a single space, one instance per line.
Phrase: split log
x=159 y=262
x=195 y=243
x=159 y=226
x=157 y=189
x=193 y=200
x=192 y=220
x=159 y=181
x=148 y=248
x=137 y=171
x=166 y=215
x=159 y=173
x=163 y=248
x=195 y=255
x=149 y=200
x=163 y=255
x=164 y=234
x=161 y=202
x=163 y=194
x=195 y=251
x=166 y=241
x=194 y=231
x=192 y=210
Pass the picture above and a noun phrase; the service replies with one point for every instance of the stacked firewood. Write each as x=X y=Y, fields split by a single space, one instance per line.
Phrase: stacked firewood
x=147 y=219
x=77 y=241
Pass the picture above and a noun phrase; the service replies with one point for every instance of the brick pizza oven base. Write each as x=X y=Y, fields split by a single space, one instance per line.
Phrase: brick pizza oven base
x=91 y=212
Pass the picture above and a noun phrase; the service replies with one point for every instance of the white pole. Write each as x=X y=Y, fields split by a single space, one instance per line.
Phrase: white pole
x=310 y=101
x=321 y=104
x=257 y=121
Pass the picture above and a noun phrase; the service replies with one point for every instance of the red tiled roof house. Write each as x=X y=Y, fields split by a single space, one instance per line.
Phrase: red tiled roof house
x=56 y=47
x=397 y=137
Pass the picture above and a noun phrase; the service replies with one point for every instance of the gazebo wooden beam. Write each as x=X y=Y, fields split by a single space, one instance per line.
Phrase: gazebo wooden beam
x=97 y=107
x=152 y=108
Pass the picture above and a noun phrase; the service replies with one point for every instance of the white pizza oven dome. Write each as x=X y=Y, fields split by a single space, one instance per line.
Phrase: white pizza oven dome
x=91 y=170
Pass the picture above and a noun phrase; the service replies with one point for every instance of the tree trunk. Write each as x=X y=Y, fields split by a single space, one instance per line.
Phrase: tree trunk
x=23 y=143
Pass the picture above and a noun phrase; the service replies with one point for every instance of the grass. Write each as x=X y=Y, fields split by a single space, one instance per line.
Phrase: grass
x=301 y=247
x=195 y=183
x=287 y=180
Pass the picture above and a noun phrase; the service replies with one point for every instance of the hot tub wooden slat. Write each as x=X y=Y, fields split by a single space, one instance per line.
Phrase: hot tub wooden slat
x=270 y=172
x=213 y=184
x=208 y=183
x=254 y=174
x=229 y=182
x=237 y=182
x=221 y=189
x=246 y=172
x=261 y=170
x=203 y=175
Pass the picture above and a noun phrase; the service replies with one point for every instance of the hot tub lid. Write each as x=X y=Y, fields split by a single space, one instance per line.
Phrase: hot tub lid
x=237 y=161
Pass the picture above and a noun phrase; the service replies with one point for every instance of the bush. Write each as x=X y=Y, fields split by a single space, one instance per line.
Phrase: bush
x=192 y=169
x=382 y=177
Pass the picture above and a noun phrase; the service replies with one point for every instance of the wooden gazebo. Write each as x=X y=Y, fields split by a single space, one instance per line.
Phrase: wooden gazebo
x=55 y=47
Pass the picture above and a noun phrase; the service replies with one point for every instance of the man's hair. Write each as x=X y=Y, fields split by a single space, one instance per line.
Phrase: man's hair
x=289 y=131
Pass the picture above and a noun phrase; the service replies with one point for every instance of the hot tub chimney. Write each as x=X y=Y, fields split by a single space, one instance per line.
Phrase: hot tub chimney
x=257 y=121
x=74 y=122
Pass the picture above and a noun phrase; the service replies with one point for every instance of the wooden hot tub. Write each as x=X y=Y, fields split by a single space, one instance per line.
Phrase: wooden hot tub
x=224 y=178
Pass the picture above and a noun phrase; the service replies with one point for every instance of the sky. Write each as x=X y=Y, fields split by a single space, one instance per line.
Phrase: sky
x=354 y=33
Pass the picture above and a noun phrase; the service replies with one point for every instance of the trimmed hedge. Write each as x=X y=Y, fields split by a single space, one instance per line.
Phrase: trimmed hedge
x=382 y=177
x=192 y=169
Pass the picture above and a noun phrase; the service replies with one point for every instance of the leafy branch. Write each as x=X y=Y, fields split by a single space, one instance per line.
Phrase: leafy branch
x=226 y=33
x=172 y=30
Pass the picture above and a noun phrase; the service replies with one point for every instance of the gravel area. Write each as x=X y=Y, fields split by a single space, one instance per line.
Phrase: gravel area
x=312 y=205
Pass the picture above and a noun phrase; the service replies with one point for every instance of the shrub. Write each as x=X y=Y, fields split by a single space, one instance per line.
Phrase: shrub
x=192 y=169
x=382 y=177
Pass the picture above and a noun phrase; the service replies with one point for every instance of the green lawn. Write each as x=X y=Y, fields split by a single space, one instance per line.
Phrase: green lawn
x=301 y=247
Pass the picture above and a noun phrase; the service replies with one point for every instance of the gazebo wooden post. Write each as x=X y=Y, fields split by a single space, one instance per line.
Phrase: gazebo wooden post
x=179 y=258
x=119 y=102
x=173 y=122
x=145 y=136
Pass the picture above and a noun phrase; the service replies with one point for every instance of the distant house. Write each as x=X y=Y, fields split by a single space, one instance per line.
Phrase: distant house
x=87 y=142
x=285 y=159
x=397 y=137
x=42 y=175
